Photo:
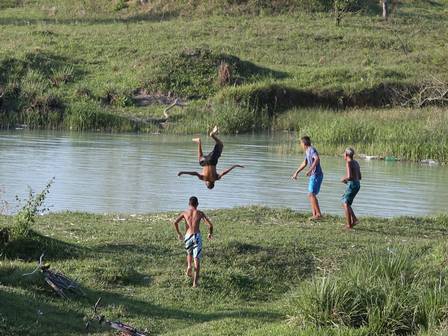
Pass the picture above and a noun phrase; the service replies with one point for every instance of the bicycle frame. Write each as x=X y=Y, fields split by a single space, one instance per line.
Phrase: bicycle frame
x=56 y=280
x=123 y=328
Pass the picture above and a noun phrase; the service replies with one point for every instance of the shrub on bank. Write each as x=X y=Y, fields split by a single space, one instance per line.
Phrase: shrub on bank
x=234 y=118
x=404 y=133
x=387 y=293
x=88 y=115
x=28 y=89
x=22 y=240
x=201 y=72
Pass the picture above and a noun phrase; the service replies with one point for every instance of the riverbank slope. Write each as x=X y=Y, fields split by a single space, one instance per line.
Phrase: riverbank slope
x=115 y=66
x=266 y=271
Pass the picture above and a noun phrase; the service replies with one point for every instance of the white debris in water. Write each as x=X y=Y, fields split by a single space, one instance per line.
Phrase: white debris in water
x=368 y=157
x=430 y=162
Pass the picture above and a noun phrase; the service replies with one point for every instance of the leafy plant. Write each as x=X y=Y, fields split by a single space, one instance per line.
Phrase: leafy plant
x=119 y=5
x=33 y=206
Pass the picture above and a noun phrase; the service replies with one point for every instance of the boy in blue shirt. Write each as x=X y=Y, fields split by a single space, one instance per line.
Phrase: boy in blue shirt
x=314 y=173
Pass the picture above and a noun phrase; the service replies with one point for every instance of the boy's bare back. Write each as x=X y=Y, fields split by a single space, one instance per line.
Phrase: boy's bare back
x=193 y=218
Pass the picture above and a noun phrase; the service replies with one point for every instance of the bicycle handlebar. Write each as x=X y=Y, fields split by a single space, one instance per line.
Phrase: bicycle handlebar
x=124 y=328
x=95 y=307
x=39 y=266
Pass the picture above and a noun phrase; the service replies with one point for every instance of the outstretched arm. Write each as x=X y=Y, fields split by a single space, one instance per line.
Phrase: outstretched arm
x=210 y=226
x=199 y=176
x=228 y=170
x=176 y=226
x=301 y=167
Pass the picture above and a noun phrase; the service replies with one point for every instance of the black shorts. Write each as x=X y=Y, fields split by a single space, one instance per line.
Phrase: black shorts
x=211 y=159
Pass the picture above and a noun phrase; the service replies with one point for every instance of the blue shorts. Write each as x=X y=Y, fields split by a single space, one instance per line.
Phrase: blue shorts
x=351 y=191
x=314 y=183
x=193 y=245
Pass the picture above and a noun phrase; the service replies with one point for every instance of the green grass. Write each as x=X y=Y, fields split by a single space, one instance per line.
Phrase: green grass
x=256 y=271
x=53 y=56
x=381 y=293
x=407 y=134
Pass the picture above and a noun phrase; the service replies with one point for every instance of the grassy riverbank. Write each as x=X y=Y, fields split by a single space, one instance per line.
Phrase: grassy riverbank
x=400 y=133
x=79 y=65
x=267 y=271
x=53 y=58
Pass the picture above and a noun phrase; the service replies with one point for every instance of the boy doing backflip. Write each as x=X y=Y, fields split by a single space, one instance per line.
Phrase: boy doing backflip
x=208 y=163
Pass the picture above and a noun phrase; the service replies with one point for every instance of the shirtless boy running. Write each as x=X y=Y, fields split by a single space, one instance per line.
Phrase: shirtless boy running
x=209 y=174
x=193 y=238
x=352 y=178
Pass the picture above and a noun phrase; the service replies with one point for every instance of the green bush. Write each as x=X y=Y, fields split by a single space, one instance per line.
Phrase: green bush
x=26 y=216
x=194 y=73
x=9 y=4
x=355 y=5
x=234 y=119
x=86 y=114
x=29 y=85
x=389 y=293
x=119 y=5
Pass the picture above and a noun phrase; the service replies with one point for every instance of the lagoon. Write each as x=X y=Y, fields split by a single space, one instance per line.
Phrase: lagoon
x=136 y=173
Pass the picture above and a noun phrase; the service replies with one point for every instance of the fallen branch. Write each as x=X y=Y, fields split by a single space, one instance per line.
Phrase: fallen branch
x=432 y=92
x=159 y=121
x=175 y=103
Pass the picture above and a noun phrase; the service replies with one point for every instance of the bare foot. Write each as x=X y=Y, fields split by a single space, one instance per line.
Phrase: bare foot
x=196 y=140
x=214 y=131
x=355 y=222
x=348 y=227
x=195 y=285
x=315 y=218
x=188 y=272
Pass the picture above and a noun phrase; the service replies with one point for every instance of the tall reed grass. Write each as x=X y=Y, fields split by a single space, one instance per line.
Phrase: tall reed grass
x=87 y=115
x=389 y=292
x=403 y=133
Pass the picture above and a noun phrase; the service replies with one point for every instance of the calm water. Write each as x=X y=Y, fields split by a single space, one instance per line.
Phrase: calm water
x=137 y=174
